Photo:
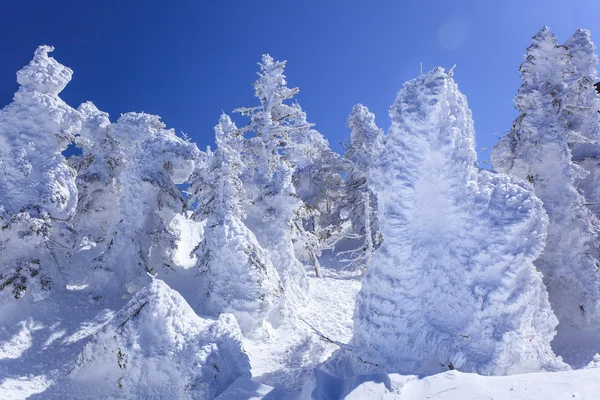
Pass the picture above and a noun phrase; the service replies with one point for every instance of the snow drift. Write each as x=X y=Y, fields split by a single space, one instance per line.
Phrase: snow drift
x=157 y=346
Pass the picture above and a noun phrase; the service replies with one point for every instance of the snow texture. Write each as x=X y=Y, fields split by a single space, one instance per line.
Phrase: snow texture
x=454 y=385
x=128 y=174
x=453 y=284
x=156 y=346
x=235 y=273
x=38 y=187
x=539 y=149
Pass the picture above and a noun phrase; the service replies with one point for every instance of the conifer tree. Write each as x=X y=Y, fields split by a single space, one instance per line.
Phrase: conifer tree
x=236 y=273
x=453 y=284
x=274 y=203
x=129 y=173
x=539 y=149
x=366 y=143
x=582 y=117
x=38 y=193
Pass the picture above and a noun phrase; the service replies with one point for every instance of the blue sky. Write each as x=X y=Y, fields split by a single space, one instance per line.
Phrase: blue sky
x=188 y=60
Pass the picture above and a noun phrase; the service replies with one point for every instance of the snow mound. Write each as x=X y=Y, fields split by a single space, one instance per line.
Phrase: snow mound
x=454 y=385
x=453 y=284
x=156 y=346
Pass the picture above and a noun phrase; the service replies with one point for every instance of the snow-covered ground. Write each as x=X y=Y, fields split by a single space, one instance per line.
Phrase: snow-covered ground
x=44 y=340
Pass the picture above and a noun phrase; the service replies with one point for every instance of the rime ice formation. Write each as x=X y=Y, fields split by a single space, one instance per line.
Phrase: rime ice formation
x=540 y=149
x=38 y=191
x=453 y=284
x=235 y=273
x=157 y=346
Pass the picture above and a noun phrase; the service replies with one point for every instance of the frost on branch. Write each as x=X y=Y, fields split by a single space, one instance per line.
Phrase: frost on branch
x=273 y=202
x=552 y=132
x=236 y=273
x=156 y=346
x=366 y=144
x=453 y=284
x=128 y=175
x=38 y=192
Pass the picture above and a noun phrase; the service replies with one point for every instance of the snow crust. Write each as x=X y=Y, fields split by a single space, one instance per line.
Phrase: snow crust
x=455 y=385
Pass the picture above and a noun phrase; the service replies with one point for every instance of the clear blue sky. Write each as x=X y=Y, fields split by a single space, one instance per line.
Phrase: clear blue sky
x=188 y=60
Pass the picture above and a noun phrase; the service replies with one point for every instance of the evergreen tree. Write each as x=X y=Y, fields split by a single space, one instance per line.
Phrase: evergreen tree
x=98 y=167
x=582 y=117
x=538 y=149
x=319 y=185
x=274 y=203
x=366 y=143
x=38 y=195
x=132 y=166
x=236 y=272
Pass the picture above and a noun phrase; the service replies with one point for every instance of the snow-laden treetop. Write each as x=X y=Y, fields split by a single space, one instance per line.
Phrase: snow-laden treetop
x=44 y=74
x=418 y=107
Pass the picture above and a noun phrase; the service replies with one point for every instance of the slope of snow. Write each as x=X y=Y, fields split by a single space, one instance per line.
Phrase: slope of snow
x=454 y=385
x=294 y=348
x=157 y=346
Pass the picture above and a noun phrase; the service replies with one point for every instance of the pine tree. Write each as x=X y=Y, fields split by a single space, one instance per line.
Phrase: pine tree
x=236 y=272
x=38 y=195
x=453 y=284
x=538 y=149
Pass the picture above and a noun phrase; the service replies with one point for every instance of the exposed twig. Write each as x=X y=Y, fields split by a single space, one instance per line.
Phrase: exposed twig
x=135 y=314
x=341 y=345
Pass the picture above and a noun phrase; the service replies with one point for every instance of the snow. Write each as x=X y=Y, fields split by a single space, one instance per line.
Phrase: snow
x=453 y=284
x=455 y=385
x=115 y=283
x=556 y=104
x=156 y=346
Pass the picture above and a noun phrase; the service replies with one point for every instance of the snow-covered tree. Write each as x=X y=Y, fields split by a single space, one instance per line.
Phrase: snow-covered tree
x=236 y=273
x=99 y=188
x=273 y=200
x=582 y=116
x=98 y=169
x=38 y=194
x=366 y=143
x=156 y=346
x=133 y=167
x=453 y=284
x=319 y=185
x=538 y=149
